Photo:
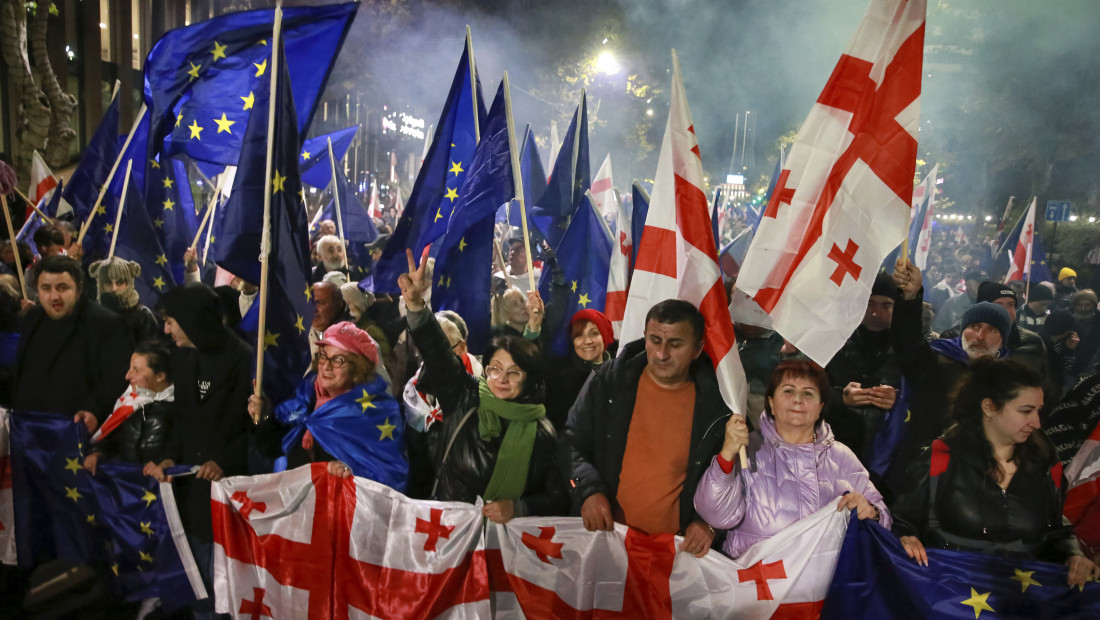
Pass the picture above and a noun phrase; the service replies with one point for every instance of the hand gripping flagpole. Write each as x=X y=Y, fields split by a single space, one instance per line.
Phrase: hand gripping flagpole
x=111 y=175
x=517 y=179
x=265 y=239
x=336 y=201
x=121 y=203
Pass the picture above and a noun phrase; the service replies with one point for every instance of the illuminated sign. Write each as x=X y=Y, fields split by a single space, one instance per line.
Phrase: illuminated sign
x=735 y=179
x=405 y=124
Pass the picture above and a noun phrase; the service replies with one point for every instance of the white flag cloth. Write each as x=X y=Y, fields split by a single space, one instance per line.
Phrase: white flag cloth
x=554 y=568
x=1020 y=263
x=603 y=190
x=42 y=186
x=926 y=191
x=618 y=273
x=7 y=514
x=306 y=544
x=677 y=255
x=843 y=199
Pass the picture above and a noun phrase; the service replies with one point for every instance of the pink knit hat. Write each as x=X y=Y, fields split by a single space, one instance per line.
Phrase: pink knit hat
x=345 y=335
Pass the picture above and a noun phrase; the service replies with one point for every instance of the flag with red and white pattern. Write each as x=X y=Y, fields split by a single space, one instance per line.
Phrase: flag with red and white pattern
x=7 y=516
x=843 y=199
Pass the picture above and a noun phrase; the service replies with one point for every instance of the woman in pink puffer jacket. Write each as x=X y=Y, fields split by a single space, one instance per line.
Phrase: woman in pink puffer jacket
x=795 y=466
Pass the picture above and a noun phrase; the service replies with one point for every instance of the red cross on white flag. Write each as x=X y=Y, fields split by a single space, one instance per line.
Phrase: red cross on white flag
x=1020 y=267
x=677 y=255
x=845 y=194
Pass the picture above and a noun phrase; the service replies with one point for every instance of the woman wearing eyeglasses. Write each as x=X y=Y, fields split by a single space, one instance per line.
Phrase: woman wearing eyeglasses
x=342 y=412
x=494 y=440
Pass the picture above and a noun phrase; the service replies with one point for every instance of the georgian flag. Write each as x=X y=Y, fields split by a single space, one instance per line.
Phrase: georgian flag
x=603 y=190
x=553 y=568
x=1020 y=265
x=43 y=183
x=618 y=273
x=677 y=254
x=306 y=544
x=843 y=199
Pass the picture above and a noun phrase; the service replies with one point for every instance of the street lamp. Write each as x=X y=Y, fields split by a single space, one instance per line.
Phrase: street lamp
x=606 y=63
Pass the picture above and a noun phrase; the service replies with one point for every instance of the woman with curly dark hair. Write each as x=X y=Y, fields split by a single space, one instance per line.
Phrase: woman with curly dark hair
x=992 y=482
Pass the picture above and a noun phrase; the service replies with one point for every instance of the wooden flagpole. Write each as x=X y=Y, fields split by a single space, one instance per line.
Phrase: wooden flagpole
x=206 y=216
x=49 y=220
x=517 y=180
x=121 y=203
x=111 y=175
x=14 y=246
x=265 y=240
x=336 y=201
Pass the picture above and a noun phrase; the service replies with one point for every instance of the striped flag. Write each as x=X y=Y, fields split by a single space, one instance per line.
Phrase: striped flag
x=677 y=256
x=43 y=182
x=603 y=189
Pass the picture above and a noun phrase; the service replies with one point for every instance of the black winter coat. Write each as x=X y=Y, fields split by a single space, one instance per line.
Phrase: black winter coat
x=977 y=515
x=594 y=442
x=868 y=359
x=143 y=437
x=465 y=473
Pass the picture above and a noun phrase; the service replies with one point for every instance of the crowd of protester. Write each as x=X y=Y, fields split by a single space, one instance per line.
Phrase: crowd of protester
x=632 y=432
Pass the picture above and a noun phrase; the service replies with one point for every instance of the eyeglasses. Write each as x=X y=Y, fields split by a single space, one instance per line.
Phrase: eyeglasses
x=336 y=361
x=513 y=375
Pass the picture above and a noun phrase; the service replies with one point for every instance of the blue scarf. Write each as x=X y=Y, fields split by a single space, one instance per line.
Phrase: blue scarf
x=952 y=348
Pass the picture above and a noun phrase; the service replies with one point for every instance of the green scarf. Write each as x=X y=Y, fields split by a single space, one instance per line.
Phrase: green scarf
x=514 y=456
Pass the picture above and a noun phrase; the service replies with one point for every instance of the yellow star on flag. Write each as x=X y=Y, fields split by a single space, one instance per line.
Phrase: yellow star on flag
x=438 y=215
x=263 y=41
x=145 y=557
x=462 y=244
x=149 y=498
x=154 y=163
x=387 y=430
x=196 y=130
x=101 y=210
x=456 y=168
x=248 y=101
x=158 y=282
x=584 y=300
x=364 y=400
x=260 y=67
x=72 y=493
x=574 y=287
x=301 y=328
x=90 y=518
x=305 y=154
x=218 y=51
x=224 y=124
x=278 y=181
x=271 y=339
x=146 y=529
x=309 y=293
x=72 y=465
x=167 y=182
x=179 y=118
x=977 y=601
x=114 y=569
x=109 y=228
x=168 y=204
x=194 y=71
x=162 y=260
x=452 y=193
x=158 y=222
x=1024 y=577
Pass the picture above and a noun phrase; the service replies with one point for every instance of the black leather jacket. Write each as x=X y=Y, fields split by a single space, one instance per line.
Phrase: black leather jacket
x=973 y=513
x=465 y=473
x=143 y=437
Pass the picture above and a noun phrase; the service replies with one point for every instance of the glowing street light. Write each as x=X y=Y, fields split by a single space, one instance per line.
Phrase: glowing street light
x=606 y=63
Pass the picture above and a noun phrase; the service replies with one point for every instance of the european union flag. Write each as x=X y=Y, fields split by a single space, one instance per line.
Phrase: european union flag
x=584 y=256
x=117 y=520
x=359 y=230
x=90 y=175
x=462 y=269
x=436 y=191
x=313 y=160
x=534 y=178
x=35 y=221
x=569 y=179
x=202 y=81
x=639 y=211
x=289 y=311
x=1040 y=270
x=874 y=578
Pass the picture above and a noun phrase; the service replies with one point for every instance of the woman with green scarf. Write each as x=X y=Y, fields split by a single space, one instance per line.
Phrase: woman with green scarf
x=493 y=440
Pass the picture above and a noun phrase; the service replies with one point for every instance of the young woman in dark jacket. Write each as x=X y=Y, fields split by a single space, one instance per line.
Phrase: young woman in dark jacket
x=494 y=440
x=137 y=429
x=992 y=483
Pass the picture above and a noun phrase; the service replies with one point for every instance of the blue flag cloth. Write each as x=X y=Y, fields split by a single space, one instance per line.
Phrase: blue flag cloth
x=90 y=175
x=437 y=189
x=313 y=160
x=359 y=230
x=289 y=311
x=891 y=432
x=26 y=233
x=732 y=256
x=117 y=520
x=584 y=256
x=363 y=428
x=874 y=578
x=202 y=80
x=139 y=241
x=639 y=211
x=534 y=178
x=569 y=179
x=462 y=269
x=1040 y=270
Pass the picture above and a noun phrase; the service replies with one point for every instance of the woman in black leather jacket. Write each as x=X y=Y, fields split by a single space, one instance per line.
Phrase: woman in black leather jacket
x=494 y=440
x=137 y=429
x=992 y=483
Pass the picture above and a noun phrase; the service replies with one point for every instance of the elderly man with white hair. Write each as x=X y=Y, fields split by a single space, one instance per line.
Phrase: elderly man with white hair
x=332 y=256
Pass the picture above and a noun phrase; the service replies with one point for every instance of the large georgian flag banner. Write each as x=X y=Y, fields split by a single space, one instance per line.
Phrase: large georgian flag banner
x=305 y=544
x=677 y=253
x=842 y=201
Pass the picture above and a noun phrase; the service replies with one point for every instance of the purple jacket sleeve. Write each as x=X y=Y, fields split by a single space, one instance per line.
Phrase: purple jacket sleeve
x=720 y=497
